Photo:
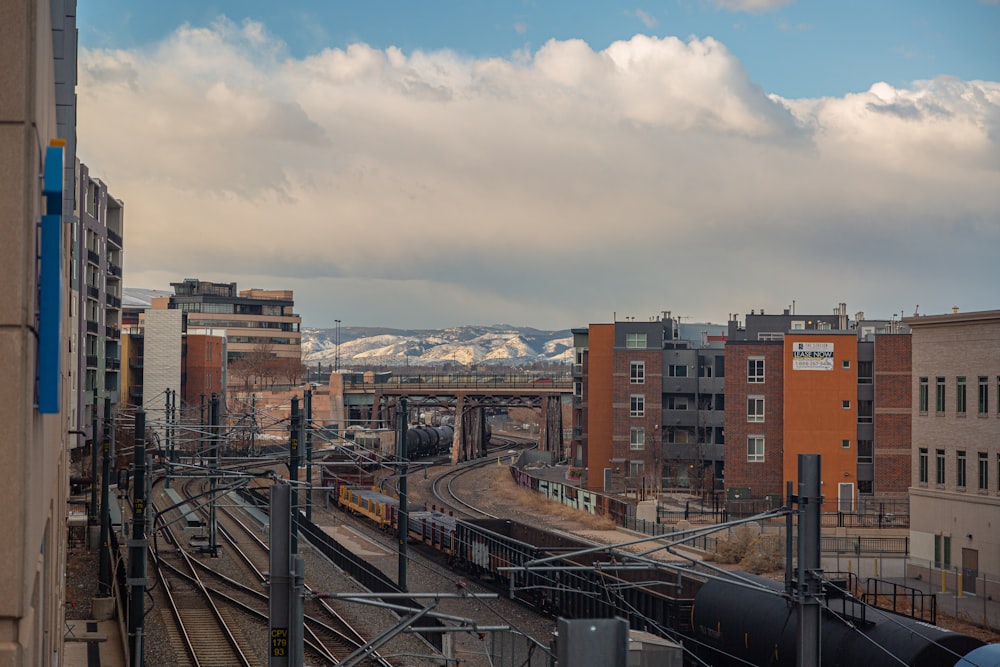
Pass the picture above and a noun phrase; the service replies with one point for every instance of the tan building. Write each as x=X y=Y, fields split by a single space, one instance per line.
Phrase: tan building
x=955 y=496
x=35 y=335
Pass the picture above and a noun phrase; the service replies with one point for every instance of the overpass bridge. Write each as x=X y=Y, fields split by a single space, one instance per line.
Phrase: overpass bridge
x=467 y=396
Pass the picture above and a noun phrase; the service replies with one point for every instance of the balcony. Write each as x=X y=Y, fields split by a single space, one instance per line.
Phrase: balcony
x=93 y=257
x=93 y=292
x=91 y=361
x=112 y=364
x=115 y=238
x=578 y=370
x=135 y=364
x=115 y=271
x=135 y=390
x=112 y=300
x=92 y=327
x=113 y=333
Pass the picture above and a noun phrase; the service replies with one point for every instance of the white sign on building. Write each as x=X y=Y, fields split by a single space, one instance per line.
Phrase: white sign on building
x=812 y=356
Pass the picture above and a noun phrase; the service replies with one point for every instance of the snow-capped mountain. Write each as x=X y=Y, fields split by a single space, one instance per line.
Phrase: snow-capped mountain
x=499 y=344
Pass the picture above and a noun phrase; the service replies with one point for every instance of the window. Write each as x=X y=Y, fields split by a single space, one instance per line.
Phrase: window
x=942 y=551
x=755 y=449
x=866 y=451
x=635 y=341
x=637 y=438
x=637 y=405
x=845 y=444
x=984 y=471
x=864 y=372
x=845 y=363
x=846 y=405
x=755 y=408
x=939 y=465
x=984 y=394
x=923 y=395
x=636 y=469
x=939 y=388
x=677 y=403
x=960 y=395
x=866 y=487
x=637 y=372
x=755 y=370
x=677 y=371
x=923 y=465
x=960 y=468
x=866 y=412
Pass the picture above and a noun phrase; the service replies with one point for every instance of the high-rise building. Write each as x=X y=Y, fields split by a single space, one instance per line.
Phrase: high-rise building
x=817 y=384
x=955 y=492
x=97 y=266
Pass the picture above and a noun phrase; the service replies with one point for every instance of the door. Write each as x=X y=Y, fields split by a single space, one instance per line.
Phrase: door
x=970 y=569
x=845 y=497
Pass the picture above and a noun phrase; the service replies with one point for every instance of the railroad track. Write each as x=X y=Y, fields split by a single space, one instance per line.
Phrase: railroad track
x=443 y=487
x=328 y=637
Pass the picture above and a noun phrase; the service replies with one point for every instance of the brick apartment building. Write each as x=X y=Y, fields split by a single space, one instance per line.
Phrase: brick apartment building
x=825 y=384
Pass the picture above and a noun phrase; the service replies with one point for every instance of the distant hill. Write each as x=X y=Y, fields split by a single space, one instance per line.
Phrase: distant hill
x=499 y=344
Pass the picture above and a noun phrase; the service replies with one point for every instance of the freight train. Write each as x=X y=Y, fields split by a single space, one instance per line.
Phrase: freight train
x=737 y=620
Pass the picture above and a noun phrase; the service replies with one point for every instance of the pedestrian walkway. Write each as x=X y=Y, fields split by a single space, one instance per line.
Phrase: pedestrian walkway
x=93 y=644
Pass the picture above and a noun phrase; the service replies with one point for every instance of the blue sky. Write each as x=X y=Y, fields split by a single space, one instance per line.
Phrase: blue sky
x=798 y=49
x=553 y=164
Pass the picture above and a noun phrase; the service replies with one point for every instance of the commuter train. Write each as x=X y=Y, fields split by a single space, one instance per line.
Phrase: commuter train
x=742 y=620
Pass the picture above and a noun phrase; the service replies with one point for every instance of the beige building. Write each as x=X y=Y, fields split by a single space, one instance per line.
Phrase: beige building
x=35 y=335
x=955 y=496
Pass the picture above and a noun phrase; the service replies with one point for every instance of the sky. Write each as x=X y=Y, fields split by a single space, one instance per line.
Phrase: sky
x=553 y=164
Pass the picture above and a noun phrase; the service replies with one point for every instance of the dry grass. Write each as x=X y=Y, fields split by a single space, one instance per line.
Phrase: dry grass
x=506 y=492
x=754 y=552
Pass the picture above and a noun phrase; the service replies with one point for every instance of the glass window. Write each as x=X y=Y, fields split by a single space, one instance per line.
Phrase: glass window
x=923 y=465
x=923 y=395
x=846 y=405
x=677 y=371
x=637 y=372
x=845 y=363
x=755 y=449
x=637 y=438
x=866 y=451
x=845 y=444
x=864 y=372
x=960 y=395
x=984 y=471
x=866 y=412
x=637 y=405
x=960 y=468
x=755 y=408
x=939 y=388
x=755 y=370
x=939 y=465
x=635 y=341
x=984 y=394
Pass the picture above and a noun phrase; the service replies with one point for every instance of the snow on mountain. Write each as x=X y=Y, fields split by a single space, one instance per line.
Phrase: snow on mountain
x=498 y=344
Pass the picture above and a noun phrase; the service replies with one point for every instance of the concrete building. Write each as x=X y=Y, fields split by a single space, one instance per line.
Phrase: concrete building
x=826 y=384
x=97 y=268
x=648 y=405
x=955 y=492
x=37 y=137
x=256 y=321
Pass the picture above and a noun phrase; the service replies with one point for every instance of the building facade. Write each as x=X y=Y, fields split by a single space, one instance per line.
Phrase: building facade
x=648 y=406
x=818 y=384
x=97 y=265
x=36 y=420
x=955 y=492
x=257 y=322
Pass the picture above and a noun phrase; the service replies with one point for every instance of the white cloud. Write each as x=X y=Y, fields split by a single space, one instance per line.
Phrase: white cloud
x=426 y=189
x=647 y=19
x=751 y=6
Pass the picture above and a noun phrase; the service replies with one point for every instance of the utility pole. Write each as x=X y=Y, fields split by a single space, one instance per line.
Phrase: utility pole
x=93 y=529
x=401 y=458
x=137 y=546
x=293 y=471
x=104 y=573
x=810 y=578
x=170 y=458
x=213 y=418
x=336 y=353
x=285 y=585
x=309 y=452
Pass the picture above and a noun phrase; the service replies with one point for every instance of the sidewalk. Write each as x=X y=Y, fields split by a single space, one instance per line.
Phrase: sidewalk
x=93 y=644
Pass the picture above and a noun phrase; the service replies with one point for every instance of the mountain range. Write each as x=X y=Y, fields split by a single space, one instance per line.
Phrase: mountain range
x=498 y=344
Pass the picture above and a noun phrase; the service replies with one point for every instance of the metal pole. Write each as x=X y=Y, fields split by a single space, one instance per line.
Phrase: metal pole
x=170 y=458
x=213 y=418
x=137 y=545
x=279 y=584
x=92 y=518
x=104 y=574
x=401 y=457
x=789 y=575
x=293 y=472
x=309 y=453
x=809 y=574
